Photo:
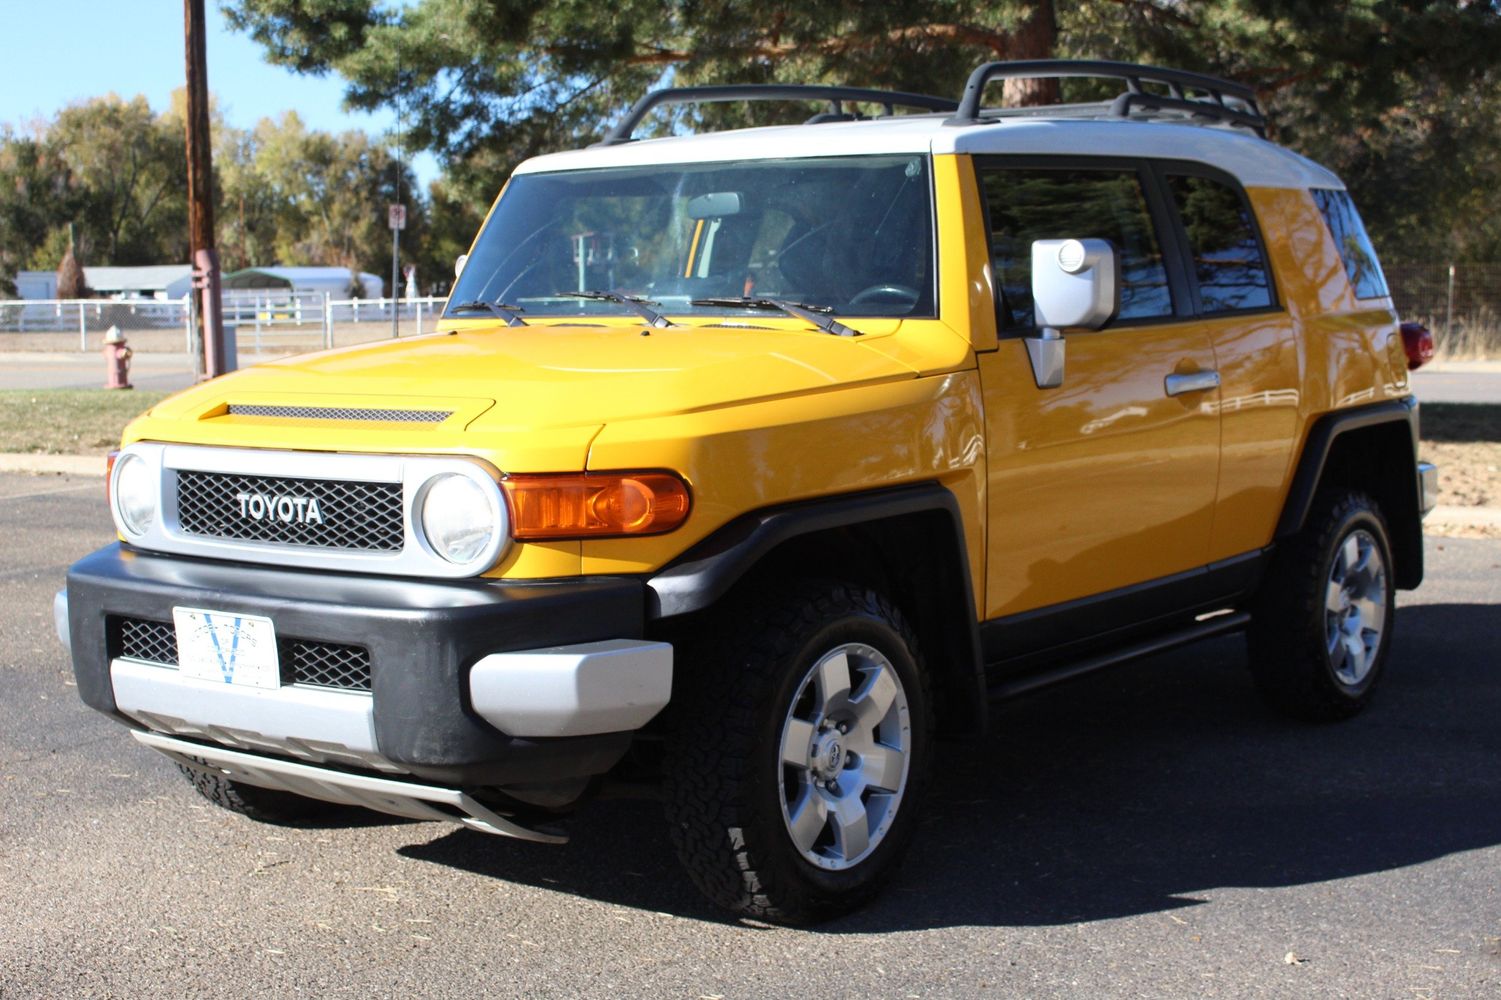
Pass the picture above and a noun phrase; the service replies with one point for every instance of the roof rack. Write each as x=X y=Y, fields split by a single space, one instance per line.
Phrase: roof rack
x=1178 y=82
x=889 y=99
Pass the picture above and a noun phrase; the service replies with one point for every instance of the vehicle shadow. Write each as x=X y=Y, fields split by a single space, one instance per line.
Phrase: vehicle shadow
x=1131 y=792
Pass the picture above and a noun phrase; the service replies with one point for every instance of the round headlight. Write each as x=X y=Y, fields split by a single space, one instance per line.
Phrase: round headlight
x=135 y=494
x=458 y=518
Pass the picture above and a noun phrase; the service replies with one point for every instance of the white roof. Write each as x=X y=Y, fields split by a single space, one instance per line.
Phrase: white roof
x=150 y=278
x=1254 y=161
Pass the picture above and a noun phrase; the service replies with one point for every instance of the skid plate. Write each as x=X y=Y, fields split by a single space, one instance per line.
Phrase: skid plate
x=398 y=798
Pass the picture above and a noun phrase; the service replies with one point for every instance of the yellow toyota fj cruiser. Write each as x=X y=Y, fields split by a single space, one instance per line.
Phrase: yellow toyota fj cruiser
x=754 y=462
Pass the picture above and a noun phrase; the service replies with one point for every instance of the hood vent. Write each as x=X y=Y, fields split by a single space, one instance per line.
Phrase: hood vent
x=338 y=413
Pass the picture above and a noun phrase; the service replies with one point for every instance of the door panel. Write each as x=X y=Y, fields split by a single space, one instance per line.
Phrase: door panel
x=1106 y=481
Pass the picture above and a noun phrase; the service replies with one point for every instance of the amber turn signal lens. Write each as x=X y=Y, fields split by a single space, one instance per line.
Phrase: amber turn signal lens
x=595 y=505
x=109 y=471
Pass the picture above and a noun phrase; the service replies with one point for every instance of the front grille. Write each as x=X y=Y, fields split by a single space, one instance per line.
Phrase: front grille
x=339 y=413
x=303 y=661
x=325 y=664
x=349 y=515
x=140 y=639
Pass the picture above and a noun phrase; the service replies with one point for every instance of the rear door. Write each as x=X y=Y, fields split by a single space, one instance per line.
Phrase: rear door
x=1255 y=344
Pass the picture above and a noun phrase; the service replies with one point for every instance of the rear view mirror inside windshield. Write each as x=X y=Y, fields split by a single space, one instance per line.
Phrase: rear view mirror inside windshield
x=714 y=205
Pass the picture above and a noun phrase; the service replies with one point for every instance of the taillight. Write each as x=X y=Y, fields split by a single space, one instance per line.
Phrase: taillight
x=595 y=505
x=1417 y=341
x=109 y=473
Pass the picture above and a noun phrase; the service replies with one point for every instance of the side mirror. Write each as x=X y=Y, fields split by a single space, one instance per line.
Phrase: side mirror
x=458 y=264
x=1075 y=284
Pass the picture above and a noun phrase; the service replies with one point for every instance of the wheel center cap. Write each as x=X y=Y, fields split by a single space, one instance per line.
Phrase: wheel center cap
x=828 y=755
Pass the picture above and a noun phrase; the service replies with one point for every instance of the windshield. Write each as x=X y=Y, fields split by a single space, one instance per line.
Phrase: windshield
x=851 y=234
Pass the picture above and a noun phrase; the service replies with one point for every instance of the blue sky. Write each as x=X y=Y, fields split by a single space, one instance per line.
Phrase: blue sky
x=59 y=52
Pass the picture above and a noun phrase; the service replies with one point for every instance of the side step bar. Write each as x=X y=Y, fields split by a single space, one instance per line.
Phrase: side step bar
x=1218 y=625
x=398 y=798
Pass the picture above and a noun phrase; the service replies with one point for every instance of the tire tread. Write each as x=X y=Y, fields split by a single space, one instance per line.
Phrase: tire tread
x=719 y=841
x=1286 y=636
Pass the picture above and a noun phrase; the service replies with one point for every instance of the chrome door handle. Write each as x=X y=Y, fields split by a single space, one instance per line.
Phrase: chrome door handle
x=1177 y=385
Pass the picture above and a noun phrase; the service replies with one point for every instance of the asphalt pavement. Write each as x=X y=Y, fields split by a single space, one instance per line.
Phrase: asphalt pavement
x=1148 y=832
x=59 y=370
x=1459 y=382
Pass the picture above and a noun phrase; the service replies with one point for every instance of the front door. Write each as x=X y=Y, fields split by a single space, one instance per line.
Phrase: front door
x=1110 y=479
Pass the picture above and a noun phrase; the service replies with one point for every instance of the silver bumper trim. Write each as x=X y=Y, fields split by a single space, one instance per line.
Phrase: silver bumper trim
x=1427 y=486
x=60 y=619
x=613 y=686
x=334 y=727
x=397 y=798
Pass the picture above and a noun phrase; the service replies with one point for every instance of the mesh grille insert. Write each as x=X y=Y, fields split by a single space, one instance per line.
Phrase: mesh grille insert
x=339 y=413
x=303 y=661
x=347 y=515
x=140 y=639
x=325 y=664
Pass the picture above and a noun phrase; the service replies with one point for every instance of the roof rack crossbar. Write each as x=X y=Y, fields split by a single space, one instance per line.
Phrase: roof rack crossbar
x=1179 y=82
x=890 y=100
x=1122 y=105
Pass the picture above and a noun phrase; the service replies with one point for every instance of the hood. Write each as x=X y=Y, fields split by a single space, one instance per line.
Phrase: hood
x=565 y=376
x=559 y=384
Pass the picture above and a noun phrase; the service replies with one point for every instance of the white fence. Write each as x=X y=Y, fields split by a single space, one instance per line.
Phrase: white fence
x=263 y=320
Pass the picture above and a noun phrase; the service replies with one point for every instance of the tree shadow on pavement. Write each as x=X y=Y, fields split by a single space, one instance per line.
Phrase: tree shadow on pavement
x=1132 y=792
x=1461 y=422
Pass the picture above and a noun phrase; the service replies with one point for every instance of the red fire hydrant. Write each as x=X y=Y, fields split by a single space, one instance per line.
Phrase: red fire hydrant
x=116 y=360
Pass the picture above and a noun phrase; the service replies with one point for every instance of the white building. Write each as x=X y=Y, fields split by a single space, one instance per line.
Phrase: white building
x=336 y=281
x=157 y=281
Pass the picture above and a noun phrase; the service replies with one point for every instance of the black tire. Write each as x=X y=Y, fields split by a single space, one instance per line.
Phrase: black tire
x=1311 y=659
x=265 y=805
x=731 y=798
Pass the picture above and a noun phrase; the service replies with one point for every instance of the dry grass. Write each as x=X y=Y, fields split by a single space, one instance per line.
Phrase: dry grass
x=68 y=421
x=1473 y=338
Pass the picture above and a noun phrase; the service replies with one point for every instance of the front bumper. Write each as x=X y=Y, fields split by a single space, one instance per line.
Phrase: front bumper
x=472 y=683
x=1427 y=488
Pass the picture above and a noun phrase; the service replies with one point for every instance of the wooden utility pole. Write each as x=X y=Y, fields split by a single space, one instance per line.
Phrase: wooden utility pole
x=210 y=317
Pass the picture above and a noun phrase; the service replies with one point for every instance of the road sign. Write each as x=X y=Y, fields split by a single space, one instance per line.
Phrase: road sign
x=396 y=216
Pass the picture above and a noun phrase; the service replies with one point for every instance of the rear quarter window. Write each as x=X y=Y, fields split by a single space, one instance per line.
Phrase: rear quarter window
x=1354 y=244
x=1226 y=253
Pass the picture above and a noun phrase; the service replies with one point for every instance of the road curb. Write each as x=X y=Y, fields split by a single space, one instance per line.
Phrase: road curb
x=1465 y=517
x=70 y=465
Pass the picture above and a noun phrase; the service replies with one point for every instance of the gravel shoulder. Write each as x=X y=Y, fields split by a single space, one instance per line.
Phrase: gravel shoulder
x=1464 y=441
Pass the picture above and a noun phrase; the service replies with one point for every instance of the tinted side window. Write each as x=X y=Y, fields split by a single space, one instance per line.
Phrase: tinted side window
x=1030 y=203
x=1354 y=245
x=1227 y=259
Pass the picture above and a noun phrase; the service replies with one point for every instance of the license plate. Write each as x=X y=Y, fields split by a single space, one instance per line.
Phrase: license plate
x=227 y=649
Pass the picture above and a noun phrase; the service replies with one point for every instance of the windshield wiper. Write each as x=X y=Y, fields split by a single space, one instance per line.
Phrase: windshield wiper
x=635 y=302
x=819 y=316
x=511 y=314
